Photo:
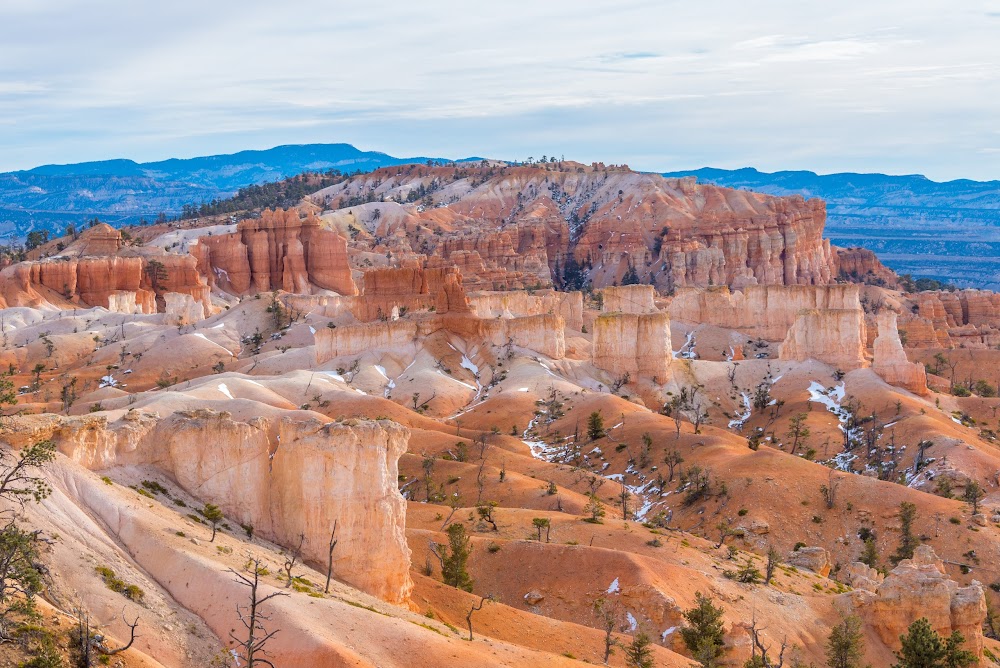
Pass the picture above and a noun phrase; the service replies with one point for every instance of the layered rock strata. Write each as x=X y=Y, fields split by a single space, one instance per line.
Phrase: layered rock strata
x=542 y=333
x=519 y=303
x=764 y=311
x=833 y=336
x=917 y=588
x=628 y=299
x=288 y=477
x=633 y=343
x=278 y=251
x=890 y=360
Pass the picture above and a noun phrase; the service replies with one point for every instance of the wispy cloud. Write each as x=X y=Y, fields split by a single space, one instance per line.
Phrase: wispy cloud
x=886 y=86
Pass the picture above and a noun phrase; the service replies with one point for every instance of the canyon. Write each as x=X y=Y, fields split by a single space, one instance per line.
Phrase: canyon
x=616 y=389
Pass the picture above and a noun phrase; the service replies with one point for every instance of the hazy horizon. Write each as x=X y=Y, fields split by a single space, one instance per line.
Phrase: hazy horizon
x=873 y=87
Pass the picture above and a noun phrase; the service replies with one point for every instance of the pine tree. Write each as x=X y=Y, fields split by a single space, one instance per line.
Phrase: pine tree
x=922 y=647
x=455 y=557
x=638 y=653
x=630 y=277
x=703 y=633
x=846 y=645
x=907 y=541
x=595 y=426
x=595 y=509
x=213 y=515
x=869 y=556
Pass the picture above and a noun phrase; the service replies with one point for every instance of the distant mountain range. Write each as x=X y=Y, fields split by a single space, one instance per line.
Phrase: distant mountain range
x=123 y=191
x=949 y=231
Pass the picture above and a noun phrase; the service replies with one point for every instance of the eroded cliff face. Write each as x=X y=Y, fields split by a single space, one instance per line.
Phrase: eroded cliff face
x=633 y=343
x=278 y=251
x=518 y=304
x=890 y=360
x=542 y=333
x=517 y=227
x=290 y=477
x=918 y=588
x=628 y=299
x=964 y=318
x=764 y=311
x=114 y=282
x=395 y=290
x=861 y=264
x=833 y=336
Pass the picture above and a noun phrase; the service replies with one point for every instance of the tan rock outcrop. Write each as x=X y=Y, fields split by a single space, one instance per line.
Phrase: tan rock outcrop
x=638 y=344
x=764 y=311
x=861 y=576
x=963 y=318
x=917 y=588
x=284 y=477
x=517 y=304
x=123 y=301
x=101 y=281
x=815 y=559
x=861 y=264
x=890 y=360
x=628 y=299
x=542 y=333
x=182 y=309
x=833 y=336
x=278 y=251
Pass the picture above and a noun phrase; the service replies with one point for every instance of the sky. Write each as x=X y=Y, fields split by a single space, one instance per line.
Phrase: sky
x=873 y=86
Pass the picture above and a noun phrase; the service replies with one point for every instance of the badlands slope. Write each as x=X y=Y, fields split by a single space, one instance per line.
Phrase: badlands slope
x=360 y=364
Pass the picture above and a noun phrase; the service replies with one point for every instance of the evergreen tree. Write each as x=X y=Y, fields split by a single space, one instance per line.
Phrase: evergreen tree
x=846 y=645
x=922 y=647
x=703 y=633
x=455 y=558
x=869 y=556
x=908 y=542
x=213 y=515
x=638 y=653
x=595 y=426
x=595 y=509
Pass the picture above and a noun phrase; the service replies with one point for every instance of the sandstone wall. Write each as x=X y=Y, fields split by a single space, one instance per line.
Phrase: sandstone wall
x=278 y=251
x=863 y=264
x=350 y=340
x=101 y=281
x=542 y=333
x=764 y=311
x=918 y=588
x=182 y=309
x=287 y=477
x=635 y=343
x=890 y=360
x=628 y=299
x=833 y=336
x=969 y=318
x=519 y=303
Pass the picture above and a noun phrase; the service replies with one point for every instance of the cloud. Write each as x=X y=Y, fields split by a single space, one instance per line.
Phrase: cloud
x=659 y=85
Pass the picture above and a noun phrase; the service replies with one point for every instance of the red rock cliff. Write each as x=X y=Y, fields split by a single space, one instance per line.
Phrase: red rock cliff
x=278 y=251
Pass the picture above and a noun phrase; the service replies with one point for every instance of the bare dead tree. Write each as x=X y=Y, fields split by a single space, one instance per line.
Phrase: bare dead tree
x=609 y=615
x=329 y=558
x=252 y=616
x=758 y=646
x=291 y=559
x=476 y=608
x=132 y=636
x=773 y=559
